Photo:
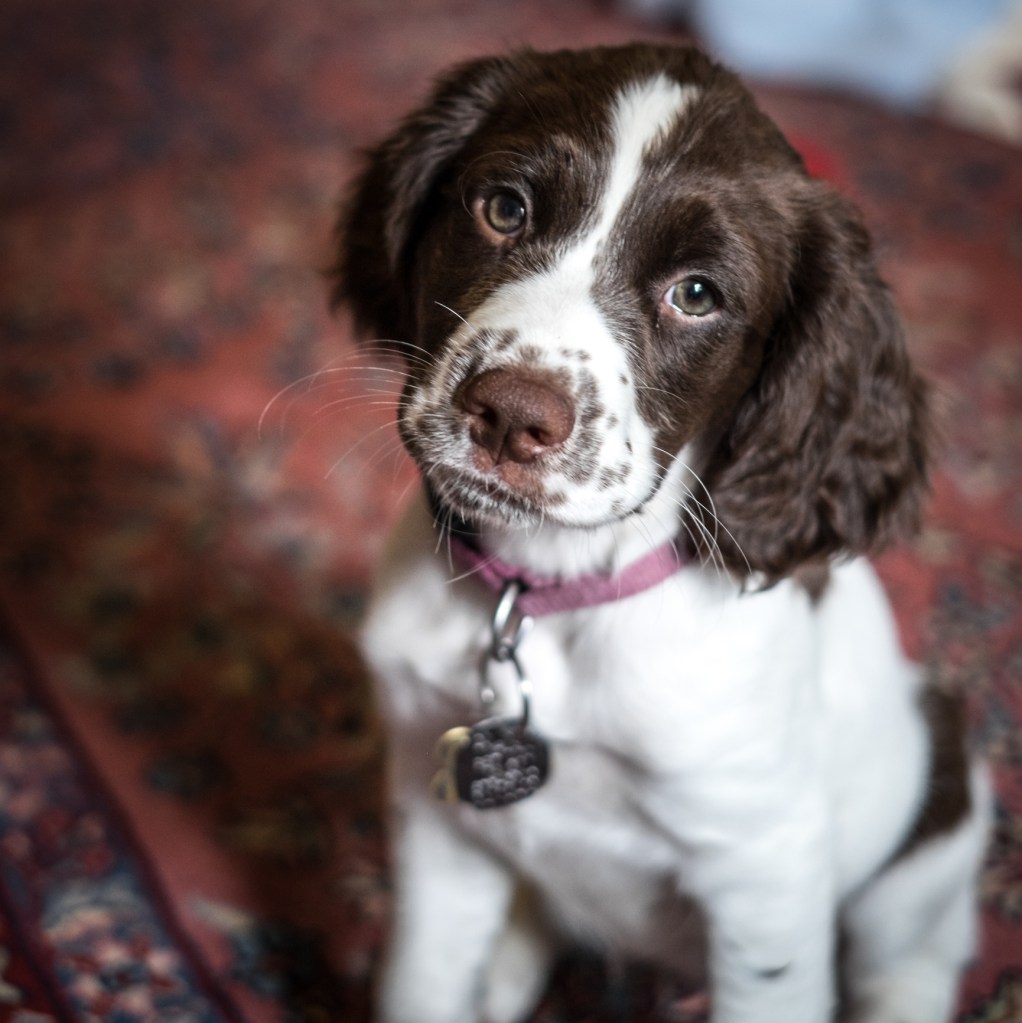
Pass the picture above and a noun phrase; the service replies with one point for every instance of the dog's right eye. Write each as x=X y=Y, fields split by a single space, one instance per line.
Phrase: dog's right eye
x=504 y=212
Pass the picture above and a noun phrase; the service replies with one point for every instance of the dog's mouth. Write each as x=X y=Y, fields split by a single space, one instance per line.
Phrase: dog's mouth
x=487 y=499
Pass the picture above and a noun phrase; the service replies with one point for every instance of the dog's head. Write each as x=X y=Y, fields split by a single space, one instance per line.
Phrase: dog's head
x=597 y=263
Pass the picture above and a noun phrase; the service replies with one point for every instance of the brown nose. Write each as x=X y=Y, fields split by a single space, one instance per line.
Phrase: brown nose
x=516 y=415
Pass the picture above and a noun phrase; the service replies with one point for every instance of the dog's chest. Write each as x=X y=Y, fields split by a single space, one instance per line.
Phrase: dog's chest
x=605 y=871
x=661 y=684
x=648 y=714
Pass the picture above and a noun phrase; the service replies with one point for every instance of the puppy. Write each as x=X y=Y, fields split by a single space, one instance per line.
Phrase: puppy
x=660 y=404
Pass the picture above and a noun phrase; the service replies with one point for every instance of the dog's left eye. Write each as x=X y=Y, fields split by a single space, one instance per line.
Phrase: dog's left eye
x=504 y=212
x=692 y=297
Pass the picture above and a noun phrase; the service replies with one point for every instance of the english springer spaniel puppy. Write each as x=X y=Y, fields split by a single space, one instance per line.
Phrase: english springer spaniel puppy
x=642 y=691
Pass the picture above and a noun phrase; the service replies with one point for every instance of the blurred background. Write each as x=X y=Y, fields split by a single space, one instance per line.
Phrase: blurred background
x=197 y=466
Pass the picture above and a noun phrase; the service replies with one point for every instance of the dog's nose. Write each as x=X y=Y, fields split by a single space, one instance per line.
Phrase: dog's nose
x=516 y=415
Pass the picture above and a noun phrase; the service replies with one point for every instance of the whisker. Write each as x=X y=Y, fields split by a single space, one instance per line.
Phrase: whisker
x=454 y=313
x=718 y=522
x=350 y=366
x=711 y=511
x=294 y=385
x=469 y=572
x=404 y=490
x=369 y=401
x=673 y=395
x=354 y=447
x=320 y=415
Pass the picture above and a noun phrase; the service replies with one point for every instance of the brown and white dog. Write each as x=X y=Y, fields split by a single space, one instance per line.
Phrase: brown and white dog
x=660 y=403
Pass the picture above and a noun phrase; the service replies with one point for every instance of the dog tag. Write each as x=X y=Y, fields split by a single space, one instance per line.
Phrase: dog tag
x=494 y=763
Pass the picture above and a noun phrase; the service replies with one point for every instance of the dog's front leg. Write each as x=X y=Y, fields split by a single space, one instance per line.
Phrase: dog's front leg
x=451 y=900
x=771 y=943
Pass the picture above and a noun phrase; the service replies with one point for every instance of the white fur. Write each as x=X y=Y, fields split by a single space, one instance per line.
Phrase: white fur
x=731 y=768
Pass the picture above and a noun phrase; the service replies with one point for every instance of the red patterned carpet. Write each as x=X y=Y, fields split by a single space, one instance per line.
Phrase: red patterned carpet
x=188 y=763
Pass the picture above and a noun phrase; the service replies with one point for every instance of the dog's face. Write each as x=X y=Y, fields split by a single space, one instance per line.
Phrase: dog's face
x=598 y=263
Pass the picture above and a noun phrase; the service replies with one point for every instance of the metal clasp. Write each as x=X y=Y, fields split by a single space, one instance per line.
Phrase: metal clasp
x=508 y=628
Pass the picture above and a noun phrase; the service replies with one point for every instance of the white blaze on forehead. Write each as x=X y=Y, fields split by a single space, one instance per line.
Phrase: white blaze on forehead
x=644 y=113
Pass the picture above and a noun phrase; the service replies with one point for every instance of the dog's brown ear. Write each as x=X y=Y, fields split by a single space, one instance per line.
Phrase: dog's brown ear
x=828 y=452
x=389 y=201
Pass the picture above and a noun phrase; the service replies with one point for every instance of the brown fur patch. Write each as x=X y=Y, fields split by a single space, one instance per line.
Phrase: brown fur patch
x=948 y=798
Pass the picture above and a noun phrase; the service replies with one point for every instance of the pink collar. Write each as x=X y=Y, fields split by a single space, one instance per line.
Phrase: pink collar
x=544 y=595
